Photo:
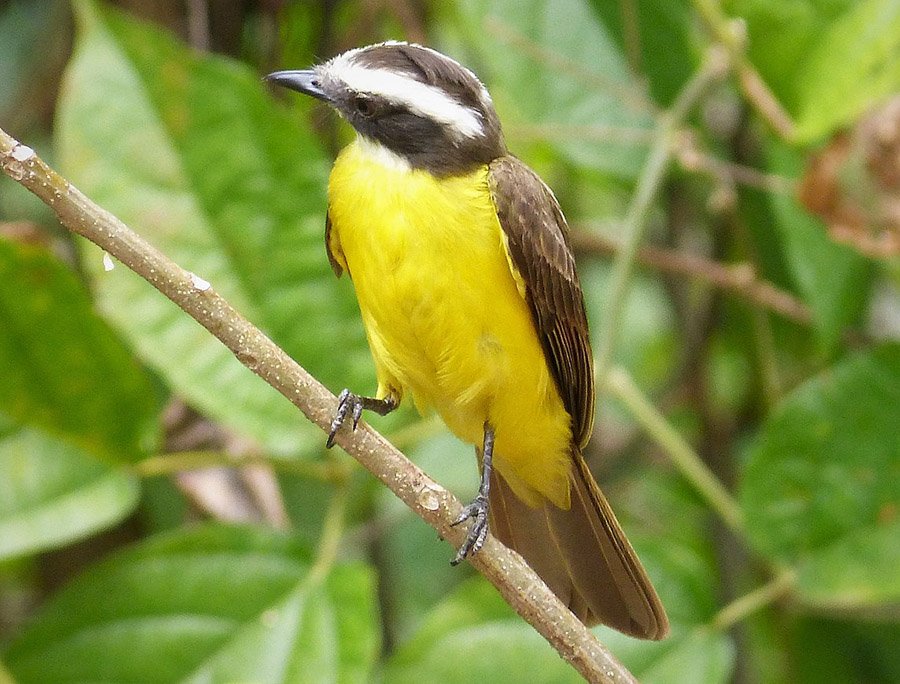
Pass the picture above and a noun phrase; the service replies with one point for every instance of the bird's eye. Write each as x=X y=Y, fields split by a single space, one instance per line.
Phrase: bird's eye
x=364 y=105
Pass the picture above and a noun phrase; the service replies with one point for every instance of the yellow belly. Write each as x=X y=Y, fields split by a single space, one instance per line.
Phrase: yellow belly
x=443 y=315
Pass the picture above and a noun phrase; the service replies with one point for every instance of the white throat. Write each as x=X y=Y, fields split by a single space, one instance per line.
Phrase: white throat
x=380 y=154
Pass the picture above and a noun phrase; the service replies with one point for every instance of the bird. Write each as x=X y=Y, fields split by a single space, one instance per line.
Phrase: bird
x=465 y=278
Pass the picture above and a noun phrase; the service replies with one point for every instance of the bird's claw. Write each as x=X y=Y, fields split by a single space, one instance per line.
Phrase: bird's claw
x=478 y=512
x=347 y=403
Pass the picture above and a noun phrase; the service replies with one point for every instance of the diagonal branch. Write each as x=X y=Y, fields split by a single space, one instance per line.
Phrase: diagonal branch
x=505 y=569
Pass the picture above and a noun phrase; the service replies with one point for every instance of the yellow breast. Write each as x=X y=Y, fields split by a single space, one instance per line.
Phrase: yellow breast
x=444 y=316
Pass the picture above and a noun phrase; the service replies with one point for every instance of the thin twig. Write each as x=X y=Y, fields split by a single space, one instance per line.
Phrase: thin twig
x=741 y=279
x=518 y=583
x=692 y=159
x=692 y=467
x=652 y=176
x=731 y=34
x=759 y=598
x=764 y=100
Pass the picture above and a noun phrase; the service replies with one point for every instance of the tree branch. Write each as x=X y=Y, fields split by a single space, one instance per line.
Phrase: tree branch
x=506 y=570
x=741 y=279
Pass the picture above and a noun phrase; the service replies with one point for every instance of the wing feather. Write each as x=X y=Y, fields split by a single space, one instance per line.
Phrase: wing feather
x=538 y=245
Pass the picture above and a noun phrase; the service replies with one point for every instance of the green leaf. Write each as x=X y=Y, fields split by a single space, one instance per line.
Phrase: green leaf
x=659 y=37
x=828 y=61
x=701 y=656
x=473 y=636
x=52 y=493
x=64 y=370
x=646 y=334
x=553 y=70
x=211 y=604
x=5 y=677
x=192 y=152
x=852 y=67
x=419 y=575
x=835 y=651
x=833 y=279
x=781 y=35
x=824 y=476
x=697 y=655
x=871 y=580
x=499 y=652
x=73 y=401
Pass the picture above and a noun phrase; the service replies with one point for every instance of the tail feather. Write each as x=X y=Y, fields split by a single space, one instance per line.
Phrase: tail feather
x=582 y=554
x=521 y=527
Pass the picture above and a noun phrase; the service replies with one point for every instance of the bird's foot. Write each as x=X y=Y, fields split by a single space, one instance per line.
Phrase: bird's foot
x=478 y=512
x=353 y=404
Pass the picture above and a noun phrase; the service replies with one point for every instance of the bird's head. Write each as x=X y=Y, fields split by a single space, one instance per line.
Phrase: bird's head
x=425 y=108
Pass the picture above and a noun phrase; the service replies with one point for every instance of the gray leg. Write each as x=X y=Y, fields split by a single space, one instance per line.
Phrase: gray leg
x=478 y=509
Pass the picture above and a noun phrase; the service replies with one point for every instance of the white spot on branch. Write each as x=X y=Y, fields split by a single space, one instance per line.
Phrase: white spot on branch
x=429 y=498
x=199 y=283
x=22 y=153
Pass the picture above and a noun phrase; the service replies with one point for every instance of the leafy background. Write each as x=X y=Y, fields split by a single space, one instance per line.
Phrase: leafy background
x=166 y=516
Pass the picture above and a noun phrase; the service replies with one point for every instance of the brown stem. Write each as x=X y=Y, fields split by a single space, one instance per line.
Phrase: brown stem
x=737 y=278
x=506 y=570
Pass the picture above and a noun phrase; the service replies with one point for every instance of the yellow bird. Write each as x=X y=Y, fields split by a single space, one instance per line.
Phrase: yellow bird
x=466 y=283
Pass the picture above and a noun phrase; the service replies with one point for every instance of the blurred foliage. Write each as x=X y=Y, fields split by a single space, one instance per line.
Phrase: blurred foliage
x=117 y=566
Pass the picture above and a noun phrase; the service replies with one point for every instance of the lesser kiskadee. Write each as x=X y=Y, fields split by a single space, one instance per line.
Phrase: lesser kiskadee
x=460 y=259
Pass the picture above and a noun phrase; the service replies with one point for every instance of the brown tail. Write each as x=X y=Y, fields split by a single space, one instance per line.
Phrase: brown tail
x=582 y=554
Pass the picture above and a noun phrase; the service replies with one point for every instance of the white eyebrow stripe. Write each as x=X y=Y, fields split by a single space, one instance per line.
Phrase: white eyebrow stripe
x=418 y=97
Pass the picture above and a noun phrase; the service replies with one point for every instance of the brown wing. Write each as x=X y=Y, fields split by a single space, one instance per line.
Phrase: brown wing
x=538 y=244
